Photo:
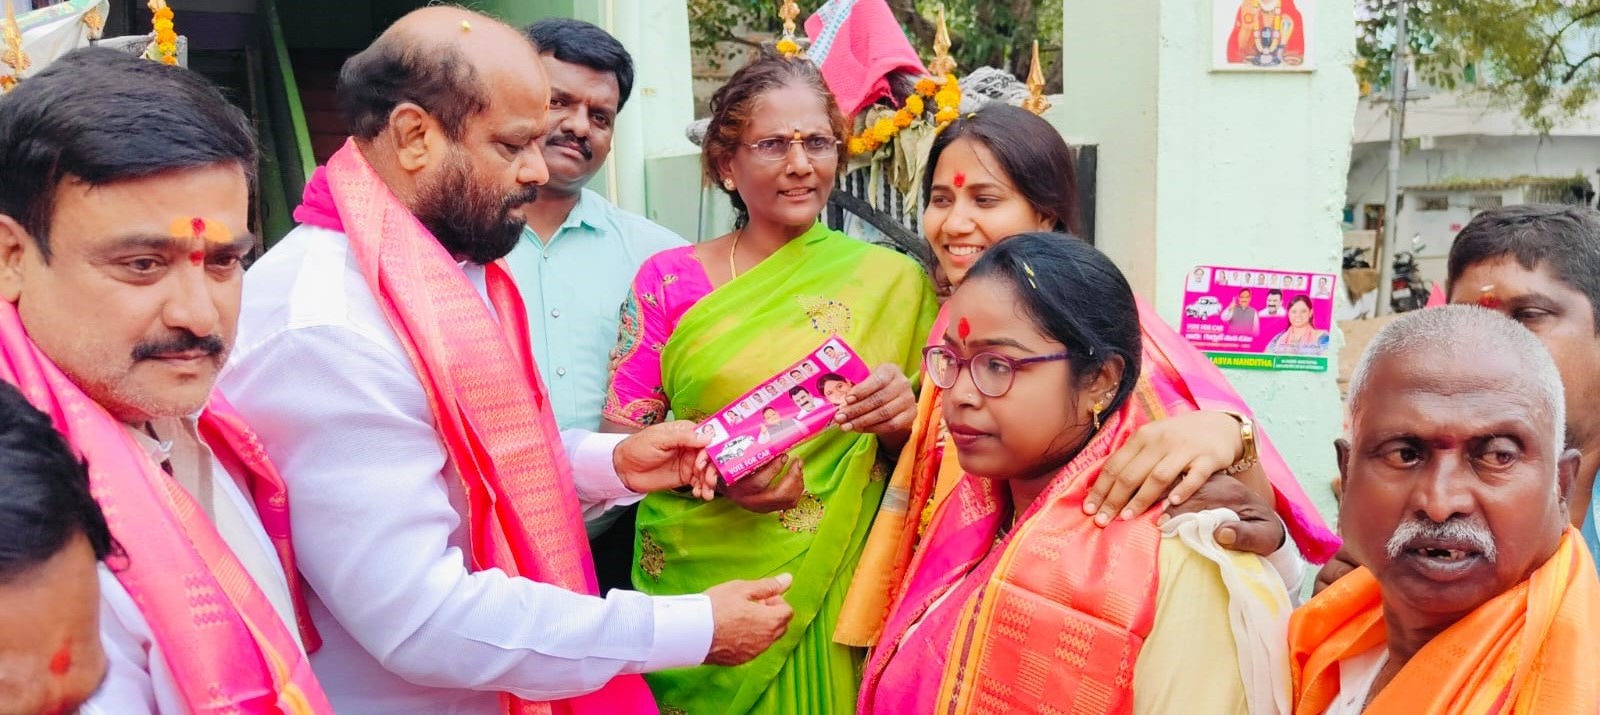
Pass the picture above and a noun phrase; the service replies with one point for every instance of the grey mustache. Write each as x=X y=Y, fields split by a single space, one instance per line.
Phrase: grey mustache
x=1460 y=530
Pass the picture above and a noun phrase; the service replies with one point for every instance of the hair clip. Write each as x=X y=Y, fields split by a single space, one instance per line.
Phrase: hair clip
x=1029 y=270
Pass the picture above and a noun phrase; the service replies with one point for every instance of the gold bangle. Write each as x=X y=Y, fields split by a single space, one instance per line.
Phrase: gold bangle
x=1247 y=435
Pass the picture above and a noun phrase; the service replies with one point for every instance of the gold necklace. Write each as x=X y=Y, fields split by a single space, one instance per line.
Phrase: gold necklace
x=733 y=271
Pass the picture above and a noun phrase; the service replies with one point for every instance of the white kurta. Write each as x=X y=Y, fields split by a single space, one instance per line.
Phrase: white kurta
x=138 y=679
x=376 y=506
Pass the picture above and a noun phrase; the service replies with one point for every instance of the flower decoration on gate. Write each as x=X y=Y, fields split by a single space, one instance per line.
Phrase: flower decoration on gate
x=13 y=55
x=788 y=46
x=164 y=48
x=940 y=86
x=945 y=97
x=895 y=140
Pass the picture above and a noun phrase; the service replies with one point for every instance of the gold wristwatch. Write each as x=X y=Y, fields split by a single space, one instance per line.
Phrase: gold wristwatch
x=1247 y=435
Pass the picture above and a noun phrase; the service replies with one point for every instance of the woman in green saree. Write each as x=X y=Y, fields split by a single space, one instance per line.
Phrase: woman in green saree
x=705 y=323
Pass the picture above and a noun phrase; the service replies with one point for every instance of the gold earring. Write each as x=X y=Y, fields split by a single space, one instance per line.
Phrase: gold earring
x=727 y=184
x=1096 y=410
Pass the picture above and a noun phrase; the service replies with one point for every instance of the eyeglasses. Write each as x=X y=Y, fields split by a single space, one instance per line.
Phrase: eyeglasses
x=992 y=373
x=816 y=146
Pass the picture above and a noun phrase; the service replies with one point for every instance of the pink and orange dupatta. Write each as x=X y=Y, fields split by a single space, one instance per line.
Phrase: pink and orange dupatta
x=500 y=434
x=1178 y=377
x=222 y=640
x=1064 y=614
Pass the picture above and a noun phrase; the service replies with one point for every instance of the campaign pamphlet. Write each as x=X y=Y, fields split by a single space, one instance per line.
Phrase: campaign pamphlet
x=1256 y=319
x=793 y=406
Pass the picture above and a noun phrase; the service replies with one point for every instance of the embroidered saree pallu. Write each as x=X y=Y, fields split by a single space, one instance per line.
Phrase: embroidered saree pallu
x=820 y=284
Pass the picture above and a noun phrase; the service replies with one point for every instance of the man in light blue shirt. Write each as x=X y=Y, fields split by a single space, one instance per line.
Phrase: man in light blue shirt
x=577 y=257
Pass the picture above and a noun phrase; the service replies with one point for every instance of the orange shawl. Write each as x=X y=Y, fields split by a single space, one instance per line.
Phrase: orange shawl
x=1067 y=609
x=1179 y=378
x=1530 y=650
x=487 y=399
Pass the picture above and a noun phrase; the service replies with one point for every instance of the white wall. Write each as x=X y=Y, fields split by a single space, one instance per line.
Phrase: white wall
x=1245 y=169
x=1470 y=158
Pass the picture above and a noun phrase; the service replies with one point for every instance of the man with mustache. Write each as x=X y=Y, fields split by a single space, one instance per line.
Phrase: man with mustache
x=384 y=358
x=124 y=221
x=1478 y=595
x=1539 y=264
x=577 y=257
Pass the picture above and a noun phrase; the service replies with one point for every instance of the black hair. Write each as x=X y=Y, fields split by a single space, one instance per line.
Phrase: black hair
x=830 y=377
x=395 y=69
x=102 y=116
x=580 y=43
x=1564 y=239
x=44 y=491
x=1302 y=298
x=1031 y=153
x=800 y=390
x=1276 y=292
x=1075 y=294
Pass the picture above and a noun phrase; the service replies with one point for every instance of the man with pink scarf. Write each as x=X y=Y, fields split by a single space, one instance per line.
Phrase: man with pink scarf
x=124 y=218
x=384 y=358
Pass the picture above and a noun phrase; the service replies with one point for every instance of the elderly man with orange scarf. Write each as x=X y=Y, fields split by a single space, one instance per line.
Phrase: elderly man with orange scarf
x=1478 y=595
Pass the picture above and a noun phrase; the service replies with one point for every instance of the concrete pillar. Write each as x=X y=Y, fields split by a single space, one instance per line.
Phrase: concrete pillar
x=1226 y=168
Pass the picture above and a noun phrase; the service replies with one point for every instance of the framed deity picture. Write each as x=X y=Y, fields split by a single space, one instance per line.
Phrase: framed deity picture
x=1262 y=35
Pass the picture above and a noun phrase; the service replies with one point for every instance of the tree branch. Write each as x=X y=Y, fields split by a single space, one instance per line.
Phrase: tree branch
x=1572 y=69
x=1555 y=39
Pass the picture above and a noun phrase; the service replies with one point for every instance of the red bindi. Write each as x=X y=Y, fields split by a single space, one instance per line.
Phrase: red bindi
x=961 y=180
x=963 y=328
x=197 y=257
x=199 y=226
x=61 y=662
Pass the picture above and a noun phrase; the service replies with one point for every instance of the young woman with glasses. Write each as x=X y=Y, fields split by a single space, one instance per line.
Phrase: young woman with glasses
x=707 y=322
x=1017 y=601
x=999 y=172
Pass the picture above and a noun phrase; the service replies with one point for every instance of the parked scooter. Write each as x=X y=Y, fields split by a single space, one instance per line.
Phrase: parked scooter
x=1408 y=291
x=1355 y=257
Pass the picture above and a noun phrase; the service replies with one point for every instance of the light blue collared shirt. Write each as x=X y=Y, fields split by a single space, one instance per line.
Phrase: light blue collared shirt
x=573 y=286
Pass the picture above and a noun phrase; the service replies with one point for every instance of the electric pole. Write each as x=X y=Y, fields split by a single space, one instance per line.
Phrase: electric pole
x=1397 y=123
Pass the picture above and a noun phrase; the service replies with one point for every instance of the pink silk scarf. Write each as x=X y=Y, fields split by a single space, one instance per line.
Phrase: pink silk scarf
x=223 y=641
x=485 y=394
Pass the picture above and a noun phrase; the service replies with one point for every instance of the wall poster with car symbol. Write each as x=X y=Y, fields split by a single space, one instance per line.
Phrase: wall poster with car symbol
x=1256 y=319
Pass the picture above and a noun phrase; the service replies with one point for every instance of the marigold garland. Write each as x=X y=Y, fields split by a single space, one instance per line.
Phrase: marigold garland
x=166 y=41
x=946 y=97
